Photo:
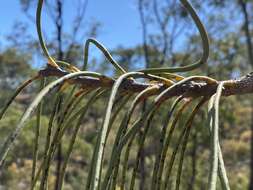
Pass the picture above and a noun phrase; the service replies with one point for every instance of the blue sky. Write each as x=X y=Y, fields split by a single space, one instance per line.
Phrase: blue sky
x=120 y=20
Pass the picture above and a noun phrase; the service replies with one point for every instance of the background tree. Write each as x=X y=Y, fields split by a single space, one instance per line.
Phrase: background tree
x=169 y=39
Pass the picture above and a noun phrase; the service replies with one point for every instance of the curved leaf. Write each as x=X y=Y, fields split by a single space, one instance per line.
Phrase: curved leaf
x=6 y=146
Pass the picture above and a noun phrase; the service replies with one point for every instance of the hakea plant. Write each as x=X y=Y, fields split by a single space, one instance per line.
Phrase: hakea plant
x=161 y=83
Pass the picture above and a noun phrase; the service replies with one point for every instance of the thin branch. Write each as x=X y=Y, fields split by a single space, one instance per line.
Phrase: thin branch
x=239 y=86
x=144 y=33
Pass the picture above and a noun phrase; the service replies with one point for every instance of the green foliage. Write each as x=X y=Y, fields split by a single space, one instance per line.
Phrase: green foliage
x=13 y=68
x=110 y=156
